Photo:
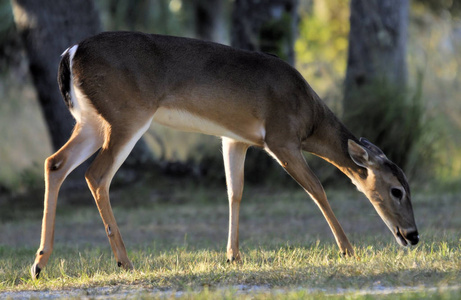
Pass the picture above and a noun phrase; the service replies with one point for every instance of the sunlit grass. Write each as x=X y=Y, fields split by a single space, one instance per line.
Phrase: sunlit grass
x=317 y=267
x=178 y=250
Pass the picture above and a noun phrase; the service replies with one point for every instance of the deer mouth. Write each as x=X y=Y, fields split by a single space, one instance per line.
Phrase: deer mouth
x=399 y=237
x=404 y=238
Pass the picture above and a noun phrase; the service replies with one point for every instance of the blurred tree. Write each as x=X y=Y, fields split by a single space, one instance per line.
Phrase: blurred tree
x=204 y=19
x=209 y=20
x=134 y=14
x=321 y=49
x=172 y=17
x=377 y=46
x=10 y=43
x=267 y=26
x=47 y=28
x=439 y=6
x=376 y=103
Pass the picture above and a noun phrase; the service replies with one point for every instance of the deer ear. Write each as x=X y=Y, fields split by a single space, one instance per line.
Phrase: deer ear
x=358 y=154
x=373 y=148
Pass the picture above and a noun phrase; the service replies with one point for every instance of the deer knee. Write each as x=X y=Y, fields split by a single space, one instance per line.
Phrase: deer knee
x=54 y=163
x=55 y=171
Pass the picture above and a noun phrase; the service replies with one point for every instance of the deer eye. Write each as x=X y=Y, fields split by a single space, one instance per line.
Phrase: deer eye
x=397 y=193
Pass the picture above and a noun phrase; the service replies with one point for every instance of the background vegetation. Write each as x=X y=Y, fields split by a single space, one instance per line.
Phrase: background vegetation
x=430 y=109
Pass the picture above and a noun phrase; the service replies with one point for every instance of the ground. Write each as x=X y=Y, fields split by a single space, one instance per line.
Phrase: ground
x=176 y=237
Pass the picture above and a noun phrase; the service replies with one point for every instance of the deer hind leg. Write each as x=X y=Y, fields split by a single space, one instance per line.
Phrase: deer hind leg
x=118 y=144
x=85 y=140
x=292 y=160
x=234 y=158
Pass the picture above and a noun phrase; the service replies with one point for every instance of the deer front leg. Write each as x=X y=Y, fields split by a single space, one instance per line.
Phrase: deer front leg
x=82 y=144
x=234 y=158
x=292 y=160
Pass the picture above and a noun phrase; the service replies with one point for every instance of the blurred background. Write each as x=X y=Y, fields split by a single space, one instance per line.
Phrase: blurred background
x=390 y=69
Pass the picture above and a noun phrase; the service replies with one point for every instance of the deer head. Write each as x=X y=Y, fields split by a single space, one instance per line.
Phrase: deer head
x=386 y=186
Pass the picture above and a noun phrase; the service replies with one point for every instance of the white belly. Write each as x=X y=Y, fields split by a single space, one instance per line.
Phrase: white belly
x=186 y=121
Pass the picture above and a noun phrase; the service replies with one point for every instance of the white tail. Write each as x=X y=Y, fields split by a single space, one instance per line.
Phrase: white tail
x=116 y=83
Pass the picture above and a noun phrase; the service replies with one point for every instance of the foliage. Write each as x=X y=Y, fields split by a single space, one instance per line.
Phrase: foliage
x=9 y=41
x=451 y=6
x=321 y=48
x=172 y=17
x=434 y=44
x=433 y=48
x=277 y=37
x=433 y=65
x=394 y=120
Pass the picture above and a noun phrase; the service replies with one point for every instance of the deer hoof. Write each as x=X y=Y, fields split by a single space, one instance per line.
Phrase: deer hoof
x=234 y=259
x=347 y=254
x=35 y=271
x=126 y=266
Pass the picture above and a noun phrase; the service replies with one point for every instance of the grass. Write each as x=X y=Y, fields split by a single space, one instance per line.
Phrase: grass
x=318 y=269
x=178 y=248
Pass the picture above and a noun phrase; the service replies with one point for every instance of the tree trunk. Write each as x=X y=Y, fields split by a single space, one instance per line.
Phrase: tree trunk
x=377 y=47
x=209 y=20
x=47 y=28
x=267 y=26
x=376 y=104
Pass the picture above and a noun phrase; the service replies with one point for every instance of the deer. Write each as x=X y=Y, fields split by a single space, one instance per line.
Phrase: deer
x=116 y=84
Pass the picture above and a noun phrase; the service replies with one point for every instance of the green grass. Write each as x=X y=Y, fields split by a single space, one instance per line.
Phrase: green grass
x=178 y=248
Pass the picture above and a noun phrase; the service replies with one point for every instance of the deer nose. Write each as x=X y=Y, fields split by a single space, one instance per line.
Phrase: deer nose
x=412 y=237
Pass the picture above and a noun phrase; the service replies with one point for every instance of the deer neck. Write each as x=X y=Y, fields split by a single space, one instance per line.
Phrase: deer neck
x=330 y=141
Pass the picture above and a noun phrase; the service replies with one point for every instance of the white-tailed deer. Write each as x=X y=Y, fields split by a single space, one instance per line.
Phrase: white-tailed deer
x=116 y=83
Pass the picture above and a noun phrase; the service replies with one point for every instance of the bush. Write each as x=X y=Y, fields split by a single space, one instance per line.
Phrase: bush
x=395 y=121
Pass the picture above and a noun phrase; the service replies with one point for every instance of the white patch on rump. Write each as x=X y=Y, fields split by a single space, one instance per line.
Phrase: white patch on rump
x=71 y=51
x=75 y=110
x=82 y=110
x=186 y=121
